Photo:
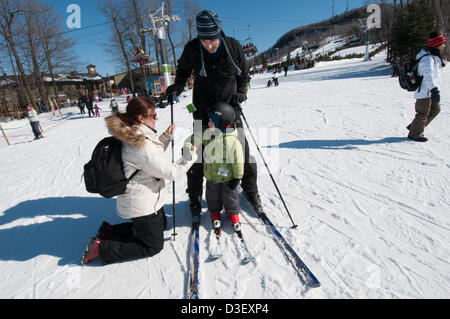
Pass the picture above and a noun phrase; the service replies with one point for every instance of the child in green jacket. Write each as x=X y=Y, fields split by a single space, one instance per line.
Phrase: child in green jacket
x=223 y=165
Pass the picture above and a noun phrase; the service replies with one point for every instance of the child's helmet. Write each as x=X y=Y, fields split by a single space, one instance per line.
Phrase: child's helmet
x=222 y=114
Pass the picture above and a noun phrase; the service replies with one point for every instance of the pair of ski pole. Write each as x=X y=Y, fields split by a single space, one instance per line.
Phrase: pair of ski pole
x=170 y=101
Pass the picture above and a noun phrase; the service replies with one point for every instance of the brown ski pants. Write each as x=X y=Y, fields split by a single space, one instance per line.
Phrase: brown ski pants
x=425 y=113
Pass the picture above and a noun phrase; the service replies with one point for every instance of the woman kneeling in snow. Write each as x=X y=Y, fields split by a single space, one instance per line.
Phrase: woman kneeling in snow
x=145 y=195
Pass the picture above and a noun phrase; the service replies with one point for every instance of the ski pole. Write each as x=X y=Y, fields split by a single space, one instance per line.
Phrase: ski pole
x=265 y=164
x=170 y=100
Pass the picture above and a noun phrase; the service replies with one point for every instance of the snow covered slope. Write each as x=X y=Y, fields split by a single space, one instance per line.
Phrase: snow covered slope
x=356 y=50
x=372 y=207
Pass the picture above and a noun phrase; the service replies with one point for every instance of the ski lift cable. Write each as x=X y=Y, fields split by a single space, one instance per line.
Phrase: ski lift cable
x=266 y=19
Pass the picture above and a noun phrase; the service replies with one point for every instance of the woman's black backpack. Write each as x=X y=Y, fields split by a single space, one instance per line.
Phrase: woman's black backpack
x=103 y=174
x=408 y=77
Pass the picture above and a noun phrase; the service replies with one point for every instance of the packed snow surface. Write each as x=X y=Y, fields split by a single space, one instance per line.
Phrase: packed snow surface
x=372 y=207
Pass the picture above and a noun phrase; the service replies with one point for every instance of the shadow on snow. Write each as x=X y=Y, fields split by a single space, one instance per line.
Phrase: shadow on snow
x=62 y=226
x=337 y=144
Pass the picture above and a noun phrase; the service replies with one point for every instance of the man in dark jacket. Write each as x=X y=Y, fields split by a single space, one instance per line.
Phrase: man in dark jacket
x=221 y=75
x=90 y=105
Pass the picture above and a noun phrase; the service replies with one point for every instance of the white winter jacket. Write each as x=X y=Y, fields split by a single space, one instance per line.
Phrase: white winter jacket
x=33 y=116
x=143 y=150
x=430 y=67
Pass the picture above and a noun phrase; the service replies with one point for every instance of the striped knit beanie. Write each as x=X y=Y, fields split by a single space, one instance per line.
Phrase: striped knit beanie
x=436 y=40
x=208 y=25
x=209 y=28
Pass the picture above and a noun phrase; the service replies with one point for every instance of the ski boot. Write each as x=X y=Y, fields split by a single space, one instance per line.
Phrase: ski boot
x=195 y=206
x=255 y=201
x=215 y=248
x=91 y=251
x=216 y=223
x=105 y=231
x=235 y=224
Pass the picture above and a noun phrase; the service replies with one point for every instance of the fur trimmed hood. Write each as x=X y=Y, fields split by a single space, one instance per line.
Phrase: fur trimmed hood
x=127 y=134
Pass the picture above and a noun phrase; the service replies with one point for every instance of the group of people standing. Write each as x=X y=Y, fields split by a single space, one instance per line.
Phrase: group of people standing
x=221 y=74
x=86 y=102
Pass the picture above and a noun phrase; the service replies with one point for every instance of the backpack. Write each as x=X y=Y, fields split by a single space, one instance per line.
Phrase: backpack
x=408 y=77
x=104 y=174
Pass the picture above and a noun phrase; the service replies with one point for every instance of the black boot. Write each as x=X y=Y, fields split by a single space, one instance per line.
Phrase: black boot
x=195 y=205
x=255 y=201
x=420 y=138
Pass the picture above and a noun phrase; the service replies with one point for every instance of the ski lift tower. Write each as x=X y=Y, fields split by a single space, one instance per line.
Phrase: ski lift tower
x=366 y=28
x=158 y=21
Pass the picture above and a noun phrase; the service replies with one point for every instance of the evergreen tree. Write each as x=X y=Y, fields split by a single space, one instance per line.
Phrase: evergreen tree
x=297 y=59
x=411 y=28
x=421 y=23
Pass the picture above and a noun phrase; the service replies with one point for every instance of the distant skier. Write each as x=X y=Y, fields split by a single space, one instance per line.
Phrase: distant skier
x=90 y=106
x=275 y=79
x=33 y=117
x=97 y=112
x=81 y=105
x=427 y=95
x=285 y=70
x=114 y=106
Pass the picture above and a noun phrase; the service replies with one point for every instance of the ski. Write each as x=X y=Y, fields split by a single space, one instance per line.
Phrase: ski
x=305 y=274
x=215 y=247
x=248 y=257
x=194 y=283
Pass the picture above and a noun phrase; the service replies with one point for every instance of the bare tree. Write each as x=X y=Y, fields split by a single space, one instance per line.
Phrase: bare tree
x=111 y=10
x=56 y=48
x=134 y=21
x=10 y=27
x=33 y=44
x=190 y=8
x=138 y=13
x=169 y=35
x=441 y=23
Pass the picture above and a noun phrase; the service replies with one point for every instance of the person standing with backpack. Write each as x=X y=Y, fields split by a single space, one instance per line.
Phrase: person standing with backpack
x=145 y=194
x=427 y=94
x=220 y=69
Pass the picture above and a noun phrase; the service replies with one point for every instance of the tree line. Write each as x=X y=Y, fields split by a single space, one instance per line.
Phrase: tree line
x=412 y=23
x=130 y=17
x=34 y=42
x=405 y=26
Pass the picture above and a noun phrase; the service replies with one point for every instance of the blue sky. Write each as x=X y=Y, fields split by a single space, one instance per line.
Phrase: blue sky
x=268 y=21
